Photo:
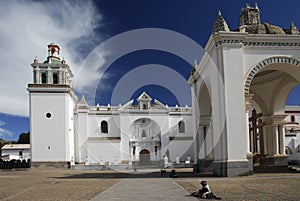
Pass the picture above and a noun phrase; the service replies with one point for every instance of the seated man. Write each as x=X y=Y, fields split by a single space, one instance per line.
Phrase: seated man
x=173 y=174
x=204 y=192
x=163 y=172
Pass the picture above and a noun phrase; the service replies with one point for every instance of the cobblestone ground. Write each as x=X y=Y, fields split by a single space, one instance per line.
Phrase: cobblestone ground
x=273 y=187
x=84 y=185
x=54 y=184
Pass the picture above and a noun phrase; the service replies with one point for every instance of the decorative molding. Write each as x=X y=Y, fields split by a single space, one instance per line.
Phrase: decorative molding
x=264 y=63
x=256 y=43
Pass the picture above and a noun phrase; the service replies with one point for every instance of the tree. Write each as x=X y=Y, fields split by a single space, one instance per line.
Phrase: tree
x=24 y=138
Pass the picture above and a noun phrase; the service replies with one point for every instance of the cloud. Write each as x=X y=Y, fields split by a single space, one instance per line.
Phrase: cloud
x=4 y=132
x=2 y=123
x=26 y=28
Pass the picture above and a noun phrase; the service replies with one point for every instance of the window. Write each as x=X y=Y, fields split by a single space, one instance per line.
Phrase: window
x=292 y=118
x=44 y=78
x=55 y=78
x=144 y=134
x=181 y=127
x=48 y=115
x=104 y=127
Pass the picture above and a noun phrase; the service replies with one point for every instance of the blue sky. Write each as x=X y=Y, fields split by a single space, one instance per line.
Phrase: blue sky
x=79 y=27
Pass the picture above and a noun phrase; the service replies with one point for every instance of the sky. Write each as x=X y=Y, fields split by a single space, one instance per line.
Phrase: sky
x=81 y=27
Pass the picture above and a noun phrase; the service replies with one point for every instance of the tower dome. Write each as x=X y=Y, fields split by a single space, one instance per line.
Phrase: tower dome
x=53 y=53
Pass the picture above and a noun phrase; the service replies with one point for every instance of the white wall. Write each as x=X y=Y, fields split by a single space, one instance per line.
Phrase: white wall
x=104 y=151
x=51 y=137
x=15 y=153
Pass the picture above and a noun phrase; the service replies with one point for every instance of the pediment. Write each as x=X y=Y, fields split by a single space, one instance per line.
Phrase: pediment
x=144 y=97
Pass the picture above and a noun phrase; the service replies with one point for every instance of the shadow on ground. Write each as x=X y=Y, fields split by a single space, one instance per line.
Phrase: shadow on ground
x=133 y=175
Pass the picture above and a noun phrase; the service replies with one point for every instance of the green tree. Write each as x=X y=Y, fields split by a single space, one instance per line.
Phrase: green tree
x=24 y=138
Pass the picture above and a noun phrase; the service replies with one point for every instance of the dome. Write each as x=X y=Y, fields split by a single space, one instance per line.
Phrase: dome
x=264 y=28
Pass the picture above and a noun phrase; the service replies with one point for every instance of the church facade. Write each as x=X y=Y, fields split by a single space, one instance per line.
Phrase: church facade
x=66 y=130
x=237 y=120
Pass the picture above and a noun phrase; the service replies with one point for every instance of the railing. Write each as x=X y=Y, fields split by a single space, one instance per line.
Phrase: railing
x=136 y=109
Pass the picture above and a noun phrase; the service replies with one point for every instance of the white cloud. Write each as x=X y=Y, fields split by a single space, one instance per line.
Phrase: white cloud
x=2 y=123
x=26 y=28
x=4 y=132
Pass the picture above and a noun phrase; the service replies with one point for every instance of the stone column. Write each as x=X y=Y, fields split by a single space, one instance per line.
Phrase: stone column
x=49 y=76
x=199 y=143
x=37 y=76
x=281 y=139
x=60 y=77
x=275 y=139
x=248 y=97
x=266 y=139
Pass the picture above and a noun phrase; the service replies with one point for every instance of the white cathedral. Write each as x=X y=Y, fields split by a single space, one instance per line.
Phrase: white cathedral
x=237 y=121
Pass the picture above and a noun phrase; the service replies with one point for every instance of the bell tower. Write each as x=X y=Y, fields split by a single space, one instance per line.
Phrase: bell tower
x=250 y=15
x=52 y=105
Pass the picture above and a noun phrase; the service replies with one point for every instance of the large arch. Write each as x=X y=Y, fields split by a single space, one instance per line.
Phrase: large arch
x=291 y=62
x=204 y=135
x=269 y=83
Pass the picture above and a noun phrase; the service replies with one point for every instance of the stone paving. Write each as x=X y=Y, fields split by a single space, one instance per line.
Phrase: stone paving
x=112 y=185
x=272 y=187
x=149 y=189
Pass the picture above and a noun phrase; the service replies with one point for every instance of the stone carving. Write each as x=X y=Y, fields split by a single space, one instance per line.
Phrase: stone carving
x=220 y=24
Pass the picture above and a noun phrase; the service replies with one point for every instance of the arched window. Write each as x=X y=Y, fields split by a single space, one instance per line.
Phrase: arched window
x=181 y=127
x=44 y=78
x=292 y=118
x=55 y=78
x=104 y=127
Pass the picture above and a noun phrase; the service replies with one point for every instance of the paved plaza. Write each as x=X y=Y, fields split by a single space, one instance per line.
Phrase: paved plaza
x=140 y=186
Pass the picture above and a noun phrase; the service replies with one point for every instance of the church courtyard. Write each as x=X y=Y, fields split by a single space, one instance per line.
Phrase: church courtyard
x=86 y=185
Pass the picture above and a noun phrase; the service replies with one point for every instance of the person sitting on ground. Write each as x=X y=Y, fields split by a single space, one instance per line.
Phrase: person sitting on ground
x=205 y=192
x=173 y=174
x=163 y=172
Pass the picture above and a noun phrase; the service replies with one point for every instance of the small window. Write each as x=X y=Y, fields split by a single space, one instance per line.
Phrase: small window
x=55 y=78
x=44 y=78
x=181 y=127
x=104 y=127
x=292 y=118
x=48 y=115
x=20 y=153
x=144 y=106
x=144 y=134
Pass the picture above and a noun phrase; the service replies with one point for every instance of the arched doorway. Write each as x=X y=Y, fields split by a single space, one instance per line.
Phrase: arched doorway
x=204 y=137
x=144 y=157
x=145 y=138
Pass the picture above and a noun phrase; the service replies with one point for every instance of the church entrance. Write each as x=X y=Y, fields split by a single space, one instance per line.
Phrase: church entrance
x=144 y=157
x=145 y=138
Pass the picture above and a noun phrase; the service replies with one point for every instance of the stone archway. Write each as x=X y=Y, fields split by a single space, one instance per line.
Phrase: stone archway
x=144 y=157
x=269 y=83
x=266 y=63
